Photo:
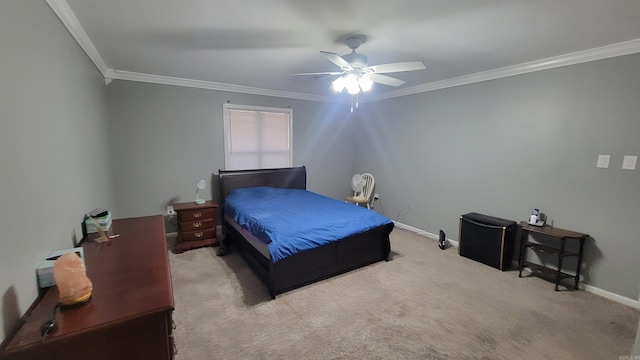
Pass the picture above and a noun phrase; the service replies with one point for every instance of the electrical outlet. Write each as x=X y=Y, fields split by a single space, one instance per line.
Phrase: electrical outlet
x=376 y=197
x=170 y=210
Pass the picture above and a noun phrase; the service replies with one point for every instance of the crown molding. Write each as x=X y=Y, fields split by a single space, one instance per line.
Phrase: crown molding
x=70 y=21
x=210 y=85
x=604 y=52
x=68 y=18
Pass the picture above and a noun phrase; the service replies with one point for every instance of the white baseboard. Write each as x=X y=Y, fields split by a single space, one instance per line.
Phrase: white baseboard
x=611 y=296
x=592 y=289
x=423 y=233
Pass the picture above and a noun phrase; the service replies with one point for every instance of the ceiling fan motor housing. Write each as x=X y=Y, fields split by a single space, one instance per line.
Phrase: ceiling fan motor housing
x=357 y=61
x=354 y=42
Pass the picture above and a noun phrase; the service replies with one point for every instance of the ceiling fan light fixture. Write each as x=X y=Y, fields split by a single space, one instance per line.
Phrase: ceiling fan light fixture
x=338 y=84
x=355 y=73
x=351 y=83
x=365 y=83
x=353 y=90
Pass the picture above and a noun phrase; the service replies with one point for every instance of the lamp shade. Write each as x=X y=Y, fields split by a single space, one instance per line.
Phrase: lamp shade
x=365 y=83
x=199 y=186
x=351 y=83
x=338 y=84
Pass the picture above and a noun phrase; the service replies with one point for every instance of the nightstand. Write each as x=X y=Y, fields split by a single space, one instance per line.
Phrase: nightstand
x=196 y=225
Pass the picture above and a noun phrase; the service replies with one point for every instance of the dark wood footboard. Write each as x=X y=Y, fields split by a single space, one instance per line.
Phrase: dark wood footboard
x=315 y=264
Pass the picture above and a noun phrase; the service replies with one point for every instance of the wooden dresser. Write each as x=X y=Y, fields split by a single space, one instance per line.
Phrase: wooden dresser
x=196 y=225
x=129 y=313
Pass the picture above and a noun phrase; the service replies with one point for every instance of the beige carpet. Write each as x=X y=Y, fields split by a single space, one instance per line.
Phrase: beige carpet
x=423 y=304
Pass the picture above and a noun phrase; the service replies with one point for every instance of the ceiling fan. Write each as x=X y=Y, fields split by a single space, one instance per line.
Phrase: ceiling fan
x=355 y=72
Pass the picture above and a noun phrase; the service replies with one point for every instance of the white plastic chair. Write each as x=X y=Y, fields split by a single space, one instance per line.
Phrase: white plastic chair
x=364 y=196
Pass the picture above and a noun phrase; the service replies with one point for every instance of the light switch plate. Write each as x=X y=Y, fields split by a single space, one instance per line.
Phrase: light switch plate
x=629 y=162
x=603 y=161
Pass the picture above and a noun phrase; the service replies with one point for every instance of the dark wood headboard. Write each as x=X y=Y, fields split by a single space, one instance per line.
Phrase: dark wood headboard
x=288 y=178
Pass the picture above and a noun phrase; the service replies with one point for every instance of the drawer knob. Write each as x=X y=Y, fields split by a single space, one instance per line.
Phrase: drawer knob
x=198 y=234
x=197 y=215
x=197 y=224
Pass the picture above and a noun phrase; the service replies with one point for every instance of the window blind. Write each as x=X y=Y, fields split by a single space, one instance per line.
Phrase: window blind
x=257 y=138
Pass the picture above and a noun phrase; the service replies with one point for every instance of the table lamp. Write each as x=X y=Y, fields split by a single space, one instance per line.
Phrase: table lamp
x=201 y=184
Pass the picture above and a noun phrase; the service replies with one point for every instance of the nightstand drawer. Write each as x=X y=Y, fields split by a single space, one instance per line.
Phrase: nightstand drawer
x=197 y=225
x=198 y=235
x=197 y=215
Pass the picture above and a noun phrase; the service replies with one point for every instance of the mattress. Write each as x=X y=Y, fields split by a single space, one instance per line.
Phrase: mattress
x=289 y=221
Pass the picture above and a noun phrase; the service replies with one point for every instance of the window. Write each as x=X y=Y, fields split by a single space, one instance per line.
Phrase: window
x=257 y=137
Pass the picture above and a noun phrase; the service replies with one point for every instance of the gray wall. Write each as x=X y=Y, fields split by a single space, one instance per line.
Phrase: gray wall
x=165 y=138
x=53 y=147
x=505 y=146
x=69 y=144
x=636 y=346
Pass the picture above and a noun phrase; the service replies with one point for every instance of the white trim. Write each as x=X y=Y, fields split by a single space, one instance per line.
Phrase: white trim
x=415 y=230
x=210 y=85
x=612 y=296
x=592 y=289
x=70 y=21
x=68 y=18
x=604 y=52
x=108 y=76
x=420 y=232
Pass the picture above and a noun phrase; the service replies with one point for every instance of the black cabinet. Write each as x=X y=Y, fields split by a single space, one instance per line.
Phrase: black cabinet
x=487 y=239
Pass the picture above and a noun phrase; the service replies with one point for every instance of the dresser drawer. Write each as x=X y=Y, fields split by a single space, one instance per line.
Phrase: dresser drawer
x=196 y=215
x=197 y=225
x=198 y=235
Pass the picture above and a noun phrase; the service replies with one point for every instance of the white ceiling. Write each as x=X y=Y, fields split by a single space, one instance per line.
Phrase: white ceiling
x=252 y=45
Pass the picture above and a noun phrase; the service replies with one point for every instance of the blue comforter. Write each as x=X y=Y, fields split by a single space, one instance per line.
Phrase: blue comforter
x=290 y=220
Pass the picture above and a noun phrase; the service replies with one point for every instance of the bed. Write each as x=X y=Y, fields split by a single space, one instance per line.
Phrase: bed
x=281 y=273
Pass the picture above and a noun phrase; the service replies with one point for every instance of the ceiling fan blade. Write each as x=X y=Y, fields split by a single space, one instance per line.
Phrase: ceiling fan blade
x=385 y=80
x=322 y=73
x=336 y=59
x=397 y=67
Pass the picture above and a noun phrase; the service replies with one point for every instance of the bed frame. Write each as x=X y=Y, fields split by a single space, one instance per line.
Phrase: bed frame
x=305 y=267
